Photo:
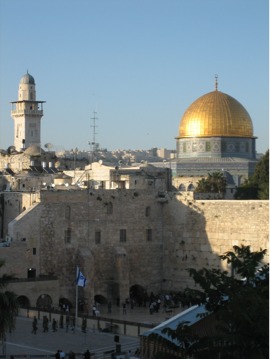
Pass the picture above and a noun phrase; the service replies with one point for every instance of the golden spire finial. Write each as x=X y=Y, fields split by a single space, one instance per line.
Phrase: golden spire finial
x=216 y=82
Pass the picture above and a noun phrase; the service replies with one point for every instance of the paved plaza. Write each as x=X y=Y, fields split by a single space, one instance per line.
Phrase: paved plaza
x=22 y=342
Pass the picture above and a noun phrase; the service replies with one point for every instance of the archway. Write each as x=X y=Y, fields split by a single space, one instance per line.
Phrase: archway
x=138 y=295
x=23 y=301
x=44 y=301
x=100 y=299
x=64 y=303
x=31 y=273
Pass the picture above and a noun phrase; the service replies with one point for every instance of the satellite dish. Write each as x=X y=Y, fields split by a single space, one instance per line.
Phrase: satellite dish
x=49 y=146
x=66 y=184
x=100 y=162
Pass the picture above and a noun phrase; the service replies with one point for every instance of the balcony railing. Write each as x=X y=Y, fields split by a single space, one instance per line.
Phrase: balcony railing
x=27 y=112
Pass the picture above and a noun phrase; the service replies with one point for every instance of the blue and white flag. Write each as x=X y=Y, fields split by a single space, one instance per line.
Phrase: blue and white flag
x=80 y=280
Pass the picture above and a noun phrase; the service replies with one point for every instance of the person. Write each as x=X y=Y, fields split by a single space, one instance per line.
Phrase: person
x=45 y=324
x=84 y=325
x=54 y=325
x=57 y=354
x=152 y=308
x=94 y=309
x=110 y=307
x=34 y=325
x=124 y=308
x=67 y=323
x=62 y=354
x=87 y=354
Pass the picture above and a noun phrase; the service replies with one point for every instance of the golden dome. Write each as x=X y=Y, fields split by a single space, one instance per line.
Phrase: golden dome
x=216 y=114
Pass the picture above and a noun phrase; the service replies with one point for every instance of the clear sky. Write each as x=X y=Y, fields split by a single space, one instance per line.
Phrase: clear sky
x=138 y=63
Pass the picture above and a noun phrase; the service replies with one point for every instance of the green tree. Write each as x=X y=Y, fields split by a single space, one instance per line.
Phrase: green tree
x=257 y=186
x=8 y=308
x=214 y=183
x=239 y=303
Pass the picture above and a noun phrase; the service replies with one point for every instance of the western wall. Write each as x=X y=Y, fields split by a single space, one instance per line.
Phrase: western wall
x=122 y=239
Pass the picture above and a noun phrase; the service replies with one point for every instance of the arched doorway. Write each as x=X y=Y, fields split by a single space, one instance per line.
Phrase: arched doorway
x=31 y=273
x=44 y=301
x=64 y=303
x=138 y=294
x=100 y=299
x=23 y=301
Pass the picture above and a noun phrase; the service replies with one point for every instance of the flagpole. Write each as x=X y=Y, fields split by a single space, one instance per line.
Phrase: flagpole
x=76 y=309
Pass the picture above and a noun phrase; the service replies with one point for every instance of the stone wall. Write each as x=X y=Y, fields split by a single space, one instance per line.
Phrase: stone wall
x=199 y=231
x=15 y=203
x=123 y=238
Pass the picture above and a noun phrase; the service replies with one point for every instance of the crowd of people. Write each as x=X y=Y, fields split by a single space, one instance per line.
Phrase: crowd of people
x=60 y=354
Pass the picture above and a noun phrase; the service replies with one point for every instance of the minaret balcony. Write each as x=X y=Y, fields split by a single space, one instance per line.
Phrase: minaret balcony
x=22 y=112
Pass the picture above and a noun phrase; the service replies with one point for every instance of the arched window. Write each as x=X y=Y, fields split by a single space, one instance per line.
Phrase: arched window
x=191 y=187
x=147 y=211
x=182 y=187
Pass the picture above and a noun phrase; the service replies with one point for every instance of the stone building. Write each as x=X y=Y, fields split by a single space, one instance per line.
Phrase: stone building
x=215 y=135
x=125 y=241
x=128 y=229
x=27 y=113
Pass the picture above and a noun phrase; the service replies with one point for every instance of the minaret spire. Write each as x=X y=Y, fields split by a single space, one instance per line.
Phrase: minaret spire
x=216 y=82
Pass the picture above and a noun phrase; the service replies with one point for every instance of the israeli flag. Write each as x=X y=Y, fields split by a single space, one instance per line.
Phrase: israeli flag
x=80 y=280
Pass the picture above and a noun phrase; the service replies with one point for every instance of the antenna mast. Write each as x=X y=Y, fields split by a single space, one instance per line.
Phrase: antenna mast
x=93 y=144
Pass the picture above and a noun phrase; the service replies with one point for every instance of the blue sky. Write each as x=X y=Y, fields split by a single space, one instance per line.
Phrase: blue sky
x=138 y=63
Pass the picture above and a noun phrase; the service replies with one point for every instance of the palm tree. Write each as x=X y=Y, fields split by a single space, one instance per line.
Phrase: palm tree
x=8 y=308
x=214 y=183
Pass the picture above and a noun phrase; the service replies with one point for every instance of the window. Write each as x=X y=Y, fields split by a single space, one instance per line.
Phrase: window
x=68 y=235
x=123 y=235
x=149 y=234
x=97 y=237
x=67 y=212
x=109 y=208
x=147 y=211
x=191 y=187
x=223 y=147
x=184 y=147
x=34 y=251
x=182 y=187
x=194 y=147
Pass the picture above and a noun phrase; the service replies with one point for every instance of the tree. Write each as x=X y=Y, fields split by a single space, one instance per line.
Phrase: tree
x=214 y=183
x=257 y=186
x=8 y=308
x=239 y=304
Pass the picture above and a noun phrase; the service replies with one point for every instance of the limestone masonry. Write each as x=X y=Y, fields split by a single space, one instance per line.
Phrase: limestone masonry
x=124 y=239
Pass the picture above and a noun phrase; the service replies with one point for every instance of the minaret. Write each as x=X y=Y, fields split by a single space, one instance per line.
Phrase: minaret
x=27 y=113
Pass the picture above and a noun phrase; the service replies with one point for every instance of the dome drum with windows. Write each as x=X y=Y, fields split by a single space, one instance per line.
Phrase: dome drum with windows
x=216 y=125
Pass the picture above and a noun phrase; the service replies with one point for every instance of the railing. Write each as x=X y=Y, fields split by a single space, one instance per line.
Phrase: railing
x=36 y=279
x=27 y=112
x=99 y=323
